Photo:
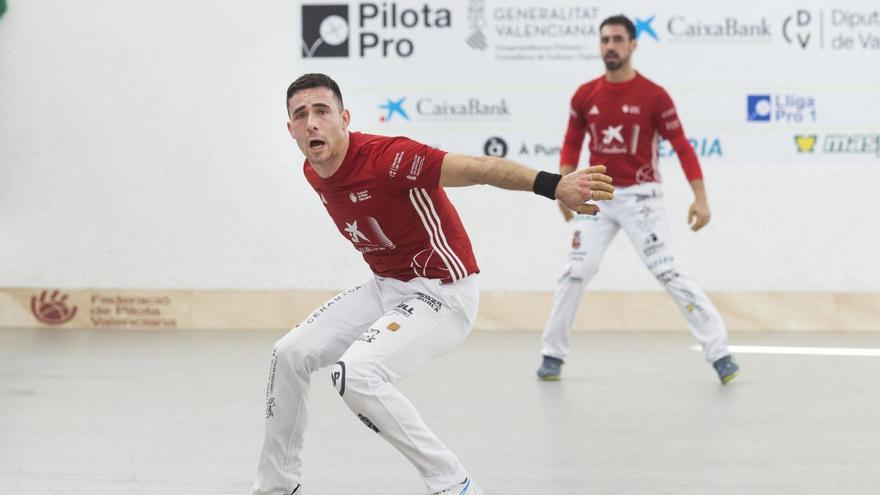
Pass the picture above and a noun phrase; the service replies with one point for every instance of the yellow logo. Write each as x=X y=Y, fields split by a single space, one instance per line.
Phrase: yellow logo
x=393 y=326
x=805 y=144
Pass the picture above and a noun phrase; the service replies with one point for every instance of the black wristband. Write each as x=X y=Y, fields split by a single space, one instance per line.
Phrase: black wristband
x=545 y=184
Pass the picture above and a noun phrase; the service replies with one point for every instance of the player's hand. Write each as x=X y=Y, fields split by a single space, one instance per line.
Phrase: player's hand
x=589 y=184
x=698 y=215
x=566 y=213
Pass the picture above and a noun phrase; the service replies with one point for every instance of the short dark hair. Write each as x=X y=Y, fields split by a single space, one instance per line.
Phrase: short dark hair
x=313 y=80
x=620 y=20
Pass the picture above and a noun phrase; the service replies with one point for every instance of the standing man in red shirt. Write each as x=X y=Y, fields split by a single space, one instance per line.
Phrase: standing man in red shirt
x=625 y=115
x=385 y=195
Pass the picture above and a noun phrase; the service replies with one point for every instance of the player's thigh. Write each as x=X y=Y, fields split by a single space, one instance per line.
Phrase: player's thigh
x=329 y=330
x=417 y=330
x=647 y=226
x=590 y=238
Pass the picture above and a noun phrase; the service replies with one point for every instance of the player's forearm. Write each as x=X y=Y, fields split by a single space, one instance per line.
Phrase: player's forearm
x=502 y=173
x=699 y=190
x=690 y=164
x=464 y=170
x=571 y=147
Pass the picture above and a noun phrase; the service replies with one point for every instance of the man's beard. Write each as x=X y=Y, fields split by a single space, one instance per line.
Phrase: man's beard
x=613 y=64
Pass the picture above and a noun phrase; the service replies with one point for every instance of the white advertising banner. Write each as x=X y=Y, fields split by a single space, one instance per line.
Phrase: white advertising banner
x=143 y=145
x=779 y=100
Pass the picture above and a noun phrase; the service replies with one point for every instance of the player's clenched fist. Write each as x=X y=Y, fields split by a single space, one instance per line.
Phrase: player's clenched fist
x=589 y=184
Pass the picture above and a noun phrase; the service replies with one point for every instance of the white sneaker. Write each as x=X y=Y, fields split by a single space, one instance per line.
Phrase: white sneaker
x=468 y=487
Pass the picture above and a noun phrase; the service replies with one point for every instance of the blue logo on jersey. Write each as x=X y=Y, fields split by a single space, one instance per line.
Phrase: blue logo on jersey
x=758 y=108
x=393 y=107
x=644 y=26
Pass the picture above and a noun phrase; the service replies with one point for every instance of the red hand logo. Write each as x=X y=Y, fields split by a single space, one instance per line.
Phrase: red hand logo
x=54 y=310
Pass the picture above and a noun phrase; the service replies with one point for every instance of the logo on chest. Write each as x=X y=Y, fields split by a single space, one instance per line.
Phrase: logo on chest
x=358 y=235
x=611 y=134
x=359 y=196
x=355 y=234
x=615 y=139
x=625 y=108
x=631 y=109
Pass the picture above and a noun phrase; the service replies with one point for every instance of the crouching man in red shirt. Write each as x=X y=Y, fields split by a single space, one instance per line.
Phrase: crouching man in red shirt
x=385 y=195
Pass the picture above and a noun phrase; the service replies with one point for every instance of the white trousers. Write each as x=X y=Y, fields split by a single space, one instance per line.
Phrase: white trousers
x=639 y=211
x=372 y=335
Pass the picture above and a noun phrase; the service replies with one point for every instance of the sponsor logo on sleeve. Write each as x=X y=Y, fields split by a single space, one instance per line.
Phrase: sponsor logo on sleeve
x=395 y=164
x=416 y=168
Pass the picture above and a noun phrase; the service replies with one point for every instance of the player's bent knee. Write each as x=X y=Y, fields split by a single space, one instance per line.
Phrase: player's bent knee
x=354 y=386
x=354 y=379
x=293 y=355
x=582 y=272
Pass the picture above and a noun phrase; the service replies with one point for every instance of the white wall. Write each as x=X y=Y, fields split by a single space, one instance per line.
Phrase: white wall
x=142 y=144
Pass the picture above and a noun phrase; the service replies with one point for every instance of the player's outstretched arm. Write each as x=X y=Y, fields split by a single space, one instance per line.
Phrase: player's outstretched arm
x=572 y=190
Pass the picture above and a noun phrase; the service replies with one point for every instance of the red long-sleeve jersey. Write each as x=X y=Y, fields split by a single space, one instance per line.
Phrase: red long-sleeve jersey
x=625 y=122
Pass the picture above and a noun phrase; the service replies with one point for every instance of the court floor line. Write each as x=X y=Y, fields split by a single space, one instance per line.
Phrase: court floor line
x=804 y=351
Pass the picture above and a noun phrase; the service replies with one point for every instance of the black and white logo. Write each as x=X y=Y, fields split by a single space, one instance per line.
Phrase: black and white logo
x=325 y=30
x=365 y=420
x=798 y=29
x=429 y=301
x=370 y=335
x=404 y=309
x=495 y=146
x=372 y=29
x=337 y=375
x=839 y=29
x=498 y=147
